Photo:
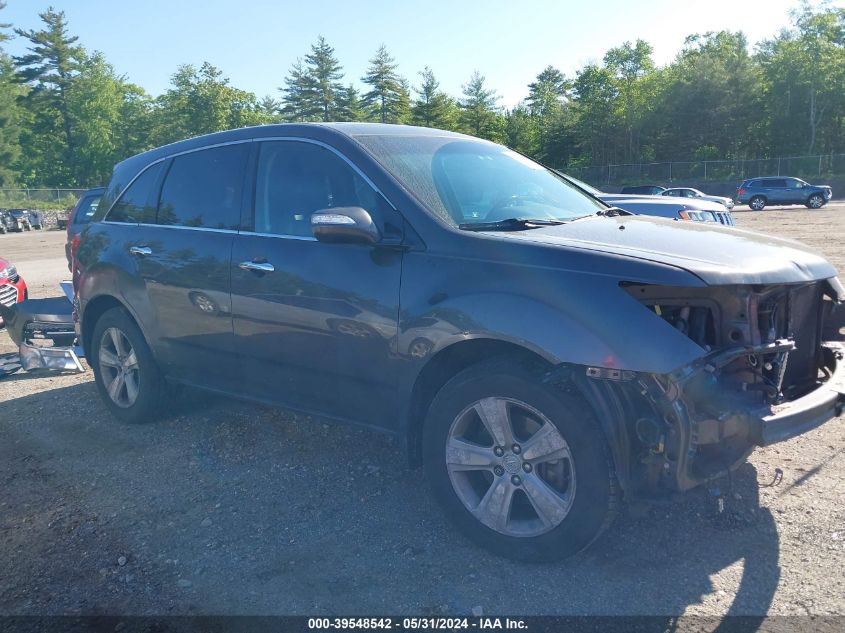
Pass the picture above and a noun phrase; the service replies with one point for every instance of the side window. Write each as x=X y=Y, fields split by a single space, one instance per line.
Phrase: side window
x=137 y=203
x=203 y=188
x=295 y=179
x=87 y=209
x=774 y=183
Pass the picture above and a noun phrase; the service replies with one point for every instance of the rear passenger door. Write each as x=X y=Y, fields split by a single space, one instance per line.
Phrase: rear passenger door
x=775 y=190
x=316 y=323
x=183 y=255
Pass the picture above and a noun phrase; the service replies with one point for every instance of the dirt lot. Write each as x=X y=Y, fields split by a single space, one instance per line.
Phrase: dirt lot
x=230 y=508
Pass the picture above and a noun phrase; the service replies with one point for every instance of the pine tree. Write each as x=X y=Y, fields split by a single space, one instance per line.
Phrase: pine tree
x=546 y=95
x=49 y=68
x=268 y=108
x=433 y=107
x=324 y=73
x=349 y=107
x=388 y=98
x=297 y=94
x=10 y=115
x=480 y=114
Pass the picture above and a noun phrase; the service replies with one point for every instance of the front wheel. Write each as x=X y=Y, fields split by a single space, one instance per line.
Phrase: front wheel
x=522 y=468
x=816 y=201
x=127 y=377
x=757 y=203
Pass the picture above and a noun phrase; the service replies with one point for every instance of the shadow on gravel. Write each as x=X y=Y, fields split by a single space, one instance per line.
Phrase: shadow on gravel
x=228 y=508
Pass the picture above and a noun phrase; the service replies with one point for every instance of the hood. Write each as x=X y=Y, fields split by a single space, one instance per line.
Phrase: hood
x=715 y=254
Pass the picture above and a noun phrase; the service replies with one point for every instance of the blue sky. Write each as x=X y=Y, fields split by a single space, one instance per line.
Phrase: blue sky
x=255 y=42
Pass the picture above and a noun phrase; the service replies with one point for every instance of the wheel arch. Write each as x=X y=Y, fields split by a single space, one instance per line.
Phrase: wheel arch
x=813 y=195
x=94 y=309
x=444 y=365
x=610 y=405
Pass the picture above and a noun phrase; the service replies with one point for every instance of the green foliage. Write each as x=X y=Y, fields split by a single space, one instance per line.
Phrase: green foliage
x=66 y=115
x=479 y=113
x=201 y=101
x=349 y=106
x=546 y=102
x=10 y=114
x=48 y=69
x=433 y=107
x=388 y=99
x=313 y=88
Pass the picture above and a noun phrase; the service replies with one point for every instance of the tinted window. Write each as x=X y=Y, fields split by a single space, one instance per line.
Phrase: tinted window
x=137 y=203
x=86 y=208
x=203 y=189
x=774 y=183
x=295 y=179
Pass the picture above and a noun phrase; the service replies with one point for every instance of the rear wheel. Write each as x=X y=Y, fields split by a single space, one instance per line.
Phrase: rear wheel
x=521 y=467
x=127 y=377
x=757 y=203
x=816 y=201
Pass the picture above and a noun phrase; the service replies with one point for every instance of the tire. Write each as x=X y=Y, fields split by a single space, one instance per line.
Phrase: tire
x=757 y=203
x=112 y=332
x=574 y=484
x=816 y=201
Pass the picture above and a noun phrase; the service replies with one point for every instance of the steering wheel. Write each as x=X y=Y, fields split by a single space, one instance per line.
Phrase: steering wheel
x=508 y=202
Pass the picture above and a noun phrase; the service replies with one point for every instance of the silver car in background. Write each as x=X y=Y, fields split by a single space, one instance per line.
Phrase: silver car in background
x=689 y=192
x=691 y=209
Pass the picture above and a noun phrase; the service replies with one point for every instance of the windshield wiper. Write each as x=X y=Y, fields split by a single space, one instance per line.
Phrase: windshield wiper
x=613 y=211
x=511 y=224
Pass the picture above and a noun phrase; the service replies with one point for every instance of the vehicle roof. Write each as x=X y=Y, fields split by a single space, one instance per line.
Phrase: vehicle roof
x=347 y=130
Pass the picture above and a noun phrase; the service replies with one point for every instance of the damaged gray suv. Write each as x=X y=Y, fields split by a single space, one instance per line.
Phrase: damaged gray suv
x=541 y=354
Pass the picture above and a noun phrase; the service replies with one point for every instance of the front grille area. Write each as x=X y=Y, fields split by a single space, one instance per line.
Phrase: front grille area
x=724 y=218
x=8 y=295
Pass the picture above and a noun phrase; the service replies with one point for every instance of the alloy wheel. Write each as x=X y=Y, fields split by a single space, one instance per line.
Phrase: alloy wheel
x=815 y=202
x=511 y=467
x=119 y=367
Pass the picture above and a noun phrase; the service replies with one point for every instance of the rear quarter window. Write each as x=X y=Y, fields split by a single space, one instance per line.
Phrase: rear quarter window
x=137 y=203
x=87 y=208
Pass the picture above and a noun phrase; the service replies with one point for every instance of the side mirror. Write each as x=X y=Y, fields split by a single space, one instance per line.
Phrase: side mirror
x=344 y=225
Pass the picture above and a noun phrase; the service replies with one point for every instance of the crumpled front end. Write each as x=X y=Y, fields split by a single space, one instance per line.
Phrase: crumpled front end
x=770 y=371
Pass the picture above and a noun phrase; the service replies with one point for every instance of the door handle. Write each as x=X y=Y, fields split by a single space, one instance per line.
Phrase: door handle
x=143 y=251
x=262 y=267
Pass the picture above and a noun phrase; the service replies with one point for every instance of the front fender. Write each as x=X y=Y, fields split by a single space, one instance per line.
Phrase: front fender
x=564 y=316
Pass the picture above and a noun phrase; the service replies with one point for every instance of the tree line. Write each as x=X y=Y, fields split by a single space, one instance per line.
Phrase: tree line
x=67 y=116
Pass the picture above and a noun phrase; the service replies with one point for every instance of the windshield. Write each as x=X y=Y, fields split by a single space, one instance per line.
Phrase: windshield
x=580 y=183
x=467 y=181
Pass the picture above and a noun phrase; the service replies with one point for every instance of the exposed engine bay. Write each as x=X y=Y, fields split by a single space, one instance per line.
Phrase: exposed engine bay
x=766 y=375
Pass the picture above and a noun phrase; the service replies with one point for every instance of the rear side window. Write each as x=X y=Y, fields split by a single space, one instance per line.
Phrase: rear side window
x=137 y=203
x=774 y=183
x=204 y=188
x=87 y=208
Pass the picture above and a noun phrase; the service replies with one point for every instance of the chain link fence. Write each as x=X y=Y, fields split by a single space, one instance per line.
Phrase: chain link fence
x=40 y=198
x=807 y=167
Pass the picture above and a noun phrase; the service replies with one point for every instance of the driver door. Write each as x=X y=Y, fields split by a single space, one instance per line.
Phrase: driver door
x=316 y=323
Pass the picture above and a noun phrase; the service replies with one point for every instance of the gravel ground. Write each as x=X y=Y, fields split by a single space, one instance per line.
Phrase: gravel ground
x=230 y=508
